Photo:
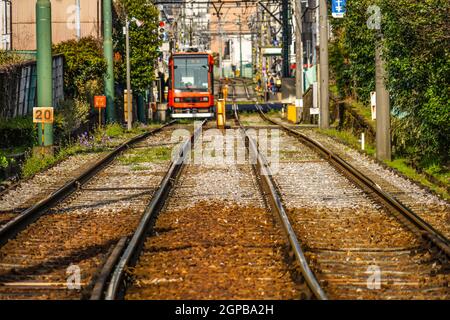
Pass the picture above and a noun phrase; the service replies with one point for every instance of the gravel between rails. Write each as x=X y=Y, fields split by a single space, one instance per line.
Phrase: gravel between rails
x=347 y=236
x=215 y=239
x=80 y=231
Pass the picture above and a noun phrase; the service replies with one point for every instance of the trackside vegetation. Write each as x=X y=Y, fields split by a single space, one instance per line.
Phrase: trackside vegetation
x=416 y=49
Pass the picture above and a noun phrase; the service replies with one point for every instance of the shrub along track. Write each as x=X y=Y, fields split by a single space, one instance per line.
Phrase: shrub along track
x=82 y=230
x=351 y=239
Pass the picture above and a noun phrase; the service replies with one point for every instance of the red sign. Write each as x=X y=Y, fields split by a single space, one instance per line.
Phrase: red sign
x=100 y=102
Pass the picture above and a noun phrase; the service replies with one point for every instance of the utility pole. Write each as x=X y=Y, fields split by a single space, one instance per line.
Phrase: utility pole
x=219 y=20
x=220 y=47
x=383 y=108
x=44 y=66
x=190 y=33
x=324 y=70
x=108 y=53
x=286 y=37
x=240 y=46
x=260 y=44
x=299 y=86
x=78 y=20
x=129 y=102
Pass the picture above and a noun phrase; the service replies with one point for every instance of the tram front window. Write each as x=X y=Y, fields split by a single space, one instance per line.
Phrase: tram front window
x=191 y=74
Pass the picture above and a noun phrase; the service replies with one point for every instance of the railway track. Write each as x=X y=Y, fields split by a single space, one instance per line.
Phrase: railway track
x=213 y=240
x=238 y=89
x=57 y=249
x=26 y=193
x=360 y=241
x=434 y=211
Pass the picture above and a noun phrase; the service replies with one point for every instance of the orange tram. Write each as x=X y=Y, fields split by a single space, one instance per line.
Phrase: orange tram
x=191 y=85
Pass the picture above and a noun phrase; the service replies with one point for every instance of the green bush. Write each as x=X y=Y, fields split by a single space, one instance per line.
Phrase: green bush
x=114 y=130
x=84 y=66
x=3 y=162
x=17 y=132
x=417 y=55
x=144 y=42
x=84 y=69
x=8 y=58
x=70 y=115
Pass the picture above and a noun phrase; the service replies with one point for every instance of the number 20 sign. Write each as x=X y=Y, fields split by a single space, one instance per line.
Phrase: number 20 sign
x=43 y=115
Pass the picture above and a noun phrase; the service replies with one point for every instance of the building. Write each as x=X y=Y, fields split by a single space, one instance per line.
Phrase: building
x=231 y=36
x=5 y=24
x=70 y=19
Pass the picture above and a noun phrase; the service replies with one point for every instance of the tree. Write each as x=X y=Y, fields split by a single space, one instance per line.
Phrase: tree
x=418 y=61
x=417 y=54
x=144 y=42
x=84 y=66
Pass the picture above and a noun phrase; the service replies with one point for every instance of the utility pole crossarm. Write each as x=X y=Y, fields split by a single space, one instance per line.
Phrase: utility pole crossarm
x=271 y=13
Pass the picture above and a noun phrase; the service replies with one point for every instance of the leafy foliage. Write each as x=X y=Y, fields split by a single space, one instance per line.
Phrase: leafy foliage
x=84 y=70
x=418 y=61
x=84 y=66
x=8 y=58
x=352 y=53
x=144 y=42
x=17 y=132
x=416 y=51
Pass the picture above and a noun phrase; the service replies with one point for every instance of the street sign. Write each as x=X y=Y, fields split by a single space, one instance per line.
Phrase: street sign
x=100 y=102
x=373 y=105
x=43 y=115
x=125 y=101
x=338 y=8
x=314 y=111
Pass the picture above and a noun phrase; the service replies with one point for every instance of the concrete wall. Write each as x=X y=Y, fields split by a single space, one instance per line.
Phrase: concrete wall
x=63 y=21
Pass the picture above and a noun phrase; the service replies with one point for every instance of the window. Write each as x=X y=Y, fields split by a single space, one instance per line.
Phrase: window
x=191 y=73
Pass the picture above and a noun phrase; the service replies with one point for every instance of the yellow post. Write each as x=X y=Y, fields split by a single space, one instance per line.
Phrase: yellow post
x=225 y=92
x=292 y=114
x=221 y=114
x=125 y=101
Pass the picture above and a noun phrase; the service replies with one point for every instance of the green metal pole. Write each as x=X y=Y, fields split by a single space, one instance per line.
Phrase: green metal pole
x=240 y=48
x=141 y=109
x=108 y=52
x=44 y=65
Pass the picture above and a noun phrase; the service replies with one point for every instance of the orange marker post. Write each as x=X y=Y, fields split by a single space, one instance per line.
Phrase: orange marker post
x=42 y=116
x=100 y=103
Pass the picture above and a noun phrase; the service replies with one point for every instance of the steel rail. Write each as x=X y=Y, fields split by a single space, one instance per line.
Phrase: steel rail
x=265 y=177
x=244 y=84
x=28 y=216
x=131 y=253
x=427 y=231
